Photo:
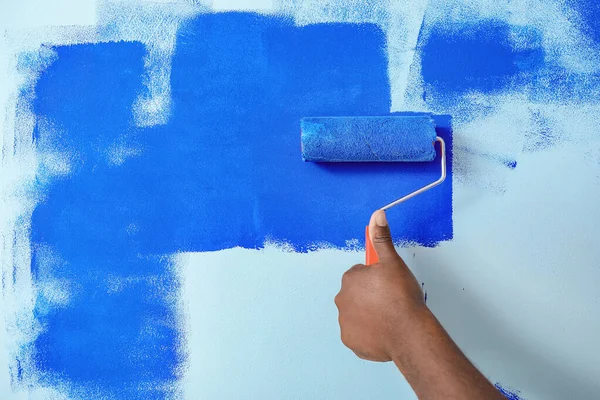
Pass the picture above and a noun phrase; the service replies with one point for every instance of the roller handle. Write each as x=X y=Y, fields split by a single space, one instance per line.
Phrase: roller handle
x=371 y=256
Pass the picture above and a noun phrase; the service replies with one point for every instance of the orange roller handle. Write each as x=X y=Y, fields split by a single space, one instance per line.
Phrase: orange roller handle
x=371 y=256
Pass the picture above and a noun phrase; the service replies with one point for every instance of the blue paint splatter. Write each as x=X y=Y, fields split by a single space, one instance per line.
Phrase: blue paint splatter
x=487 y=56
x=510 y=395
x=226 y=171
x=512 y=164
x=508 y=162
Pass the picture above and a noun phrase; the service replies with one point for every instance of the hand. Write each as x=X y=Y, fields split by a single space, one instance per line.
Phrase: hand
x=383 y=317
x=378 y=303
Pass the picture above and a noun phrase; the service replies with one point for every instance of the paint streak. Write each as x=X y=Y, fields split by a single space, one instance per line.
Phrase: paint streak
x=225 y=171
x=510 y=395
x=543 y=137
x=508 y=162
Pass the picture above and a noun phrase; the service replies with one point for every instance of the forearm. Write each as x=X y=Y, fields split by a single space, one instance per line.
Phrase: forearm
x=435 y=367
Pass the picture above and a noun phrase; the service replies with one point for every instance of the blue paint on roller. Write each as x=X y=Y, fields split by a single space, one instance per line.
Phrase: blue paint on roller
x=368 y=139
x=225 y=171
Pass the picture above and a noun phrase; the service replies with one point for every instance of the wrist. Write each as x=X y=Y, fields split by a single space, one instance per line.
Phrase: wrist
x=420 y=328
x=435 y=366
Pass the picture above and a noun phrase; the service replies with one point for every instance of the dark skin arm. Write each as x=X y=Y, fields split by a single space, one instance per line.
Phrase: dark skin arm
x=383 y=317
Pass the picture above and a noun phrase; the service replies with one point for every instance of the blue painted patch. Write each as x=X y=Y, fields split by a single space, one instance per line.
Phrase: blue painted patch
x=226 y=171
x=487 y=56
x=118 y=336
x=589 y=12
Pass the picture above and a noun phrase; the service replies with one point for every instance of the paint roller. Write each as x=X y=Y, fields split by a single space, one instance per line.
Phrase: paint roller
x=373 y=139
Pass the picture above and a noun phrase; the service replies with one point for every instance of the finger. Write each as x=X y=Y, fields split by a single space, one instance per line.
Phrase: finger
x=381 y=236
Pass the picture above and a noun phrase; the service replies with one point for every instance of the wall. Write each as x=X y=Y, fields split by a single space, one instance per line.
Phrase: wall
x=132 y=269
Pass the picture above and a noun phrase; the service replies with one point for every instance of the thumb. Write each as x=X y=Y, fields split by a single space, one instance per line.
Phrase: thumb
x=381 y=237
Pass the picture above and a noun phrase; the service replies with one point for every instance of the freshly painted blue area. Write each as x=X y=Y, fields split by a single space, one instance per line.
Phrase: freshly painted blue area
x=118 y=337
x=510 y=395
x=368 y=139
x=486 y=56
x=589 y=13
x=226 y=171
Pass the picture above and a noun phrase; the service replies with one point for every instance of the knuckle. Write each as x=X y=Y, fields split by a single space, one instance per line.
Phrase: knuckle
x=348 y=274
x=344 y=278
x=363 y=356
x=354 y=268
x=346 y=340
